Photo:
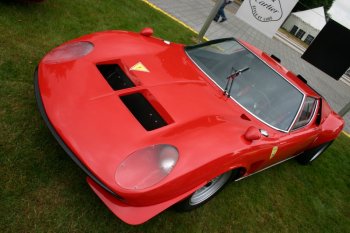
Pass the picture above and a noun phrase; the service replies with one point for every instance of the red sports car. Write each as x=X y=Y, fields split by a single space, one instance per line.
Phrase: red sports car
x=154 y=123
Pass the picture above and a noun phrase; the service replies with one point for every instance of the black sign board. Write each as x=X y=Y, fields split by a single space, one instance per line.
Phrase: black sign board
x=330 y=50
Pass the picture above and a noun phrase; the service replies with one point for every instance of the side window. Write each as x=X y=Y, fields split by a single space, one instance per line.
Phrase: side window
x=306 y=113
x=294 y=30
x=309 y=39
x=300 y=34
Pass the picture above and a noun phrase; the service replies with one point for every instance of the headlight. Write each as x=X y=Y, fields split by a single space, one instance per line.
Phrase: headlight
x=68 y=52
x=146 y=167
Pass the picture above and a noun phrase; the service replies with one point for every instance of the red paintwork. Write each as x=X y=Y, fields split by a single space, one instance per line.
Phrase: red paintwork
x=206 y=127
x=147 y=32
x=252 y=134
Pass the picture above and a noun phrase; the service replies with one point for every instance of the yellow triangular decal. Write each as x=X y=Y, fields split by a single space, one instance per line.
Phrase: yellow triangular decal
x=139 y=67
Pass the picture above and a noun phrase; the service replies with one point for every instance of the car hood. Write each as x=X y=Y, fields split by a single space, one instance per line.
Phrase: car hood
x=95 y=123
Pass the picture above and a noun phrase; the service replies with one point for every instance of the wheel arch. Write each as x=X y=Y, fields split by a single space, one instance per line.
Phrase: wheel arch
x=238 y=172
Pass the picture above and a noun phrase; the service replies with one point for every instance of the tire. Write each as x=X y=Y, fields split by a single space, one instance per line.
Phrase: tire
x=310 y=155
x=205 y=193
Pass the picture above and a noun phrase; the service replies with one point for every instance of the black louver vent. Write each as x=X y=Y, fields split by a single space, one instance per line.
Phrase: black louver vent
x=115 y=76
x=143 y=111
x=302 y=78
x=275 y=58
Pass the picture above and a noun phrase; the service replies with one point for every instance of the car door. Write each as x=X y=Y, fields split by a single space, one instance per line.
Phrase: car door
x=303 y=132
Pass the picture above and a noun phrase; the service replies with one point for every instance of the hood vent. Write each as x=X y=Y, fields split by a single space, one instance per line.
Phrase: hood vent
x=143 y=111
x=115 y=76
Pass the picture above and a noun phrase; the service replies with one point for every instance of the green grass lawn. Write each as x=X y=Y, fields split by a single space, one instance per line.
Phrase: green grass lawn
x=42 y=190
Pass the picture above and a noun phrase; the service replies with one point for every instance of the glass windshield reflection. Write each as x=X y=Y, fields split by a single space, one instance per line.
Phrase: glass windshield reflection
x=260 y=90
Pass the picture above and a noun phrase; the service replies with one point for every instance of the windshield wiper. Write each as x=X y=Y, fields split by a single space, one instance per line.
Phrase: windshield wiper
x=231 y=78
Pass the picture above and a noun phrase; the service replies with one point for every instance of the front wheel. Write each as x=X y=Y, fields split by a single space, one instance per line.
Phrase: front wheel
x=310 y=155
x=205 y=193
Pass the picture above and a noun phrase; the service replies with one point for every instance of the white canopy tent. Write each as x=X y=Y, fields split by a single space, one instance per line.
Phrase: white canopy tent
x=306 y=25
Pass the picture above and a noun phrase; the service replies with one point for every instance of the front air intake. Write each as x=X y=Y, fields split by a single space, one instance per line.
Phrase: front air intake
x=143 y=111
x=115 y=76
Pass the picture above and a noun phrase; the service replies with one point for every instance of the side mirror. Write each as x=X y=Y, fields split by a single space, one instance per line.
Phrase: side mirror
x=147 y=32
x=252 y=134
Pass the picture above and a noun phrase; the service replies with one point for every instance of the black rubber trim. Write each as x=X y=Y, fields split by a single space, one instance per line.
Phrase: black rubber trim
x=59 y=139
x=190 y=47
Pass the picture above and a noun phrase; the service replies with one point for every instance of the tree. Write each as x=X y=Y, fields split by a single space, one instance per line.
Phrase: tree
x=309 y=4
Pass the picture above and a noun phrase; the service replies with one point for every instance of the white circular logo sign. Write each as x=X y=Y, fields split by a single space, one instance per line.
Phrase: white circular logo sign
x=266 y=10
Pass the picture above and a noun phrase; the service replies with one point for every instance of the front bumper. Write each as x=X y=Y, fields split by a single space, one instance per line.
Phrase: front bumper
x=134 y=215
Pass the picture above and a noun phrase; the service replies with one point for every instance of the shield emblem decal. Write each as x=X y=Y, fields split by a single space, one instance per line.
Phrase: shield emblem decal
x=266 y=10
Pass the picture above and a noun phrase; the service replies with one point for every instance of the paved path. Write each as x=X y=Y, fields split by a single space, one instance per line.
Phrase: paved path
x=194 y=14
x=292 y=44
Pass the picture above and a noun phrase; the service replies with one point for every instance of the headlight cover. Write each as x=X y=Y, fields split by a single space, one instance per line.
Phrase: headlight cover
x=146 y=167
x=68 y=52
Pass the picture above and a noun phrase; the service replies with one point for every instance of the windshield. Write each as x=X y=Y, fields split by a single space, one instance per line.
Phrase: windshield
x=260 y=89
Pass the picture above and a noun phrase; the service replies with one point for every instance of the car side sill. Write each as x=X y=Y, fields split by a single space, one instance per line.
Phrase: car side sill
x=243 y=177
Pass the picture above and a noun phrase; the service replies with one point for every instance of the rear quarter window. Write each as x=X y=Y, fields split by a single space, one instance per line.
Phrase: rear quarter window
x=306 y=113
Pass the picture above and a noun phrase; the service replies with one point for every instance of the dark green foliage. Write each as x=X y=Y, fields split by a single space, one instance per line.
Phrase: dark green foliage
x=309 y=4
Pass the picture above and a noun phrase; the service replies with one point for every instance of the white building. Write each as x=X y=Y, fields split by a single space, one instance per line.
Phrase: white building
x=306 y=25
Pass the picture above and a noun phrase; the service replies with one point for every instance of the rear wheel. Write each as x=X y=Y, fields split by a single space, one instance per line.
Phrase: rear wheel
x=310 y=155
x=205 y=193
